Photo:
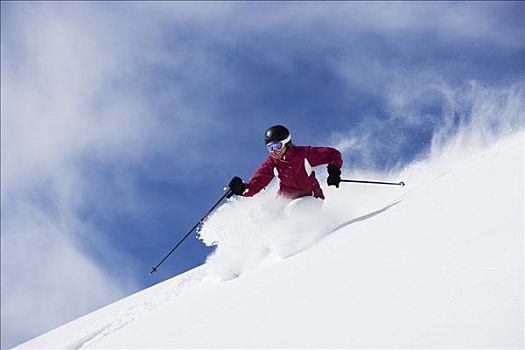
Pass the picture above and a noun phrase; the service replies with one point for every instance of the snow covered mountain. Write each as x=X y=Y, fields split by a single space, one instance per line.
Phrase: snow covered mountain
x=438 y=263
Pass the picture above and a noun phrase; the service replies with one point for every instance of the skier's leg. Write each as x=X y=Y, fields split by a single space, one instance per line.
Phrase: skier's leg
x=303 y=205
x=298 y=227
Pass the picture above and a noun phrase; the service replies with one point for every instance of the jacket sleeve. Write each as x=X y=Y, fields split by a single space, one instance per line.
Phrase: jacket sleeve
x=262 y=177
x=324 y=155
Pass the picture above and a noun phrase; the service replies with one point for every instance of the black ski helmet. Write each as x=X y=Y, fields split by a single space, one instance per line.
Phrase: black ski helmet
x=275 y=134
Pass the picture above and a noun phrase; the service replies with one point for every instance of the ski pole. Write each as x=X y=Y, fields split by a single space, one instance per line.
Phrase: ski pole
x=153 y=270
x=376 y=182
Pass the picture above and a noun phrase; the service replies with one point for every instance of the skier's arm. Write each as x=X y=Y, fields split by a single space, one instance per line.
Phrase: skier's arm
x=262 y=177
x=324 y=155
x=327 y=155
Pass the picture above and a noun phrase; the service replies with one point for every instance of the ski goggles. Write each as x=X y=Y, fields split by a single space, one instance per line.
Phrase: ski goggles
x=279 y=145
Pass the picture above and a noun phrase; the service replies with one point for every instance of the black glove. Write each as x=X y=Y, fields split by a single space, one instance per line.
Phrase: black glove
x=334 y=176
x=237 y=186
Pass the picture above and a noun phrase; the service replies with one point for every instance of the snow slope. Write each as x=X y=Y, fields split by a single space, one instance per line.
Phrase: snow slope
x=438 y=263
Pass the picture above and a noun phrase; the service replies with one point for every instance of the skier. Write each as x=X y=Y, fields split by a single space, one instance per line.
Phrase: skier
x=294 y=167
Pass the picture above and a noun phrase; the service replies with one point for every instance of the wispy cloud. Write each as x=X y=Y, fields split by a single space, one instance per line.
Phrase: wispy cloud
x=67 y=97
x=53 y=73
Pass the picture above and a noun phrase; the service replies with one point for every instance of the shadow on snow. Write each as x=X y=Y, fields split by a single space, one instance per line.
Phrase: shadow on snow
x=363 y=218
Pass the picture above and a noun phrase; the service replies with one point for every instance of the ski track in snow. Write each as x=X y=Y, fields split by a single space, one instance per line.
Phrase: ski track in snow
x=131 y=313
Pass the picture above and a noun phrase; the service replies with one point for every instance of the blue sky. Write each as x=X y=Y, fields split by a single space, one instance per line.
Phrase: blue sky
x=123 y=122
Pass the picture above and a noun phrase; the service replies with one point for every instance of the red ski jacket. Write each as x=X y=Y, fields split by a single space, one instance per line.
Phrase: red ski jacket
x=297 y=179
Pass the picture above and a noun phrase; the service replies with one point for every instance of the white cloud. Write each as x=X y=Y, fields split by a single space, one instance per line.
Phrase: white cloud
x=59 y=66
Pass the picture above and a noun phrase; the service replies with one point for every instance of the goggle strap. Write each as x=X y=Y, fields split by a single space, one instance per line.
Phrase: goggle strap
x=286 y=140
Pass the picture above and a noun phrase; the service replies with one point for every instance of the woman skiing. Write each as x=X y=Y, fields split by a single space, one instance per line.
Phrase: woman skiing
x=294 y=167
